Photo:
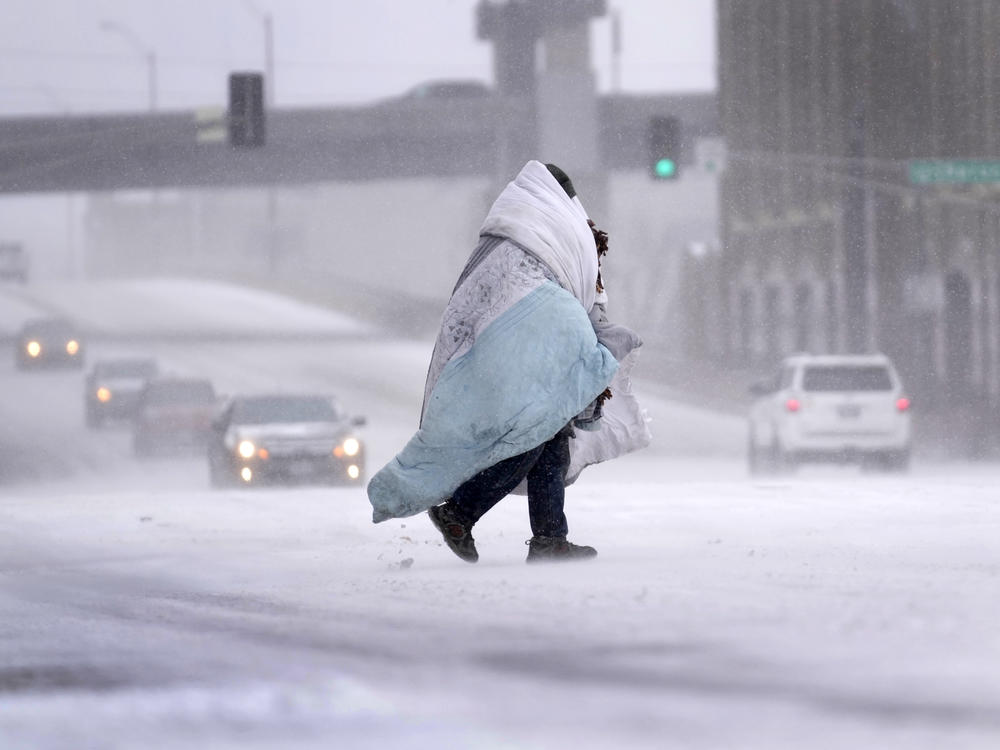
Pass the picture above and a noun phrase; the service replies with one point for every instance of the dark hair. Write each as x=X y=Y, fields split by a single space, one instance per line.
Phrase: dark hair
x=563 y=179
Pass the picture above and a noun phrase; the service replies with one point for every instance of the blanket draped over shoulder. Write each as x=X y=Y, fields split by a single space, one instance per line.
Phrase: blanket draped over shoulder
x=517 y=356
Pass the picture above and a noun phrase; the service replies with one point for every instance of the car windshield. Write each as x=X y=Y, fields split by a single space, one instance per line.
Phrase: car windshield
x=180 y=393
x=267 y=410
x=127 y=369
x=53 y=328
x=846 y=378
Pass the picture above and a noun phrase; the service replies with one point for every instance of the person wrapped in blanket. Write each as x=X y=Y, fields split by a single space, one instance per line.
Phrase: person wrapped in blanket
x=529 y=381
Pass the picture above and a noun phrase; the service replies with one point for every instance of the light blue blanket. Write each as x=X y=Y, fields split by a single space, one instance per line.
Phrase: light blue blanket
x=526 y=375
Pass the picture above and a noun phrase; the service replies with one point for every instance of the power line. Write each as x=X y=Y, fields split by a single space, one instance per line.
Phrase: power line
x=347 y=65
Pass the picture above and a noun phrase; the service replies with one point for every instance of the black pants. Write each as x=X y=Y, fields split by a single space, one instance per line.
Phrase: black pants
x=544 y=467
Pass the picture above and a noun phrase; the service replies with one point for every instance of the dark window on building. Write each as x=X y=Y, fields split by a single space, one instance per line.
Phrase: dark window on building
x=958 y=334
x=772 y=321
x=745 y=324
x=803 y=316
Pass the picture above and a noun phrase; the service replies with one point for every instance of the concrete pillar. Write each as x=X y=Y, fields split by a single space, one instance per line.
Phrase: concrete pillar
x=567 y=117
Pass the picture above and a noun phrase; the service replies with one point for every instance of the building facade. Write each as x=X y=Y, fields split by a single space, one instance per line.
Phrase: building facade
x=832 y=240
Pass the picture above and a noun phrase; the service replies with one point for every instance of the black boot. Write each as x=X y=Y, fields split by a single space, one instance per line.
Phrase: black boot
x=556 y=548
x=456 y=534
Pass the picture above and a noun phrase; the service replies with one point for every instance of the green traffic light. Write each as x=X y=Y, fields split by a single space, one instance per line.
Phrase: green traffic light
x=665 y=168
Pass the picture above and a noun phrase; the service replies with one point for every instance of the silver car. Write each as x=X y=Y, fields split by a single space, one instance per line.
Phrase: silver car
x=285 y=439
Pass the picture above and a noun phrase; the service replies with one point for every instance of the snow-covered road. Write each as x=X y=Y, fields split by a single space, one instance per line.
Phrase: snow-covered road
x=139 y=608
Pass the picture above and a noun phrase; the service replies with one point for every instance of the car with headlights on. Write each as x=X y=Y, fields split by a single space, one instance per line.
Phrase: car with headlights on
x=823 y=408
x=285 y=439
x=49 y=342
x=173 y=414
x=112 y=387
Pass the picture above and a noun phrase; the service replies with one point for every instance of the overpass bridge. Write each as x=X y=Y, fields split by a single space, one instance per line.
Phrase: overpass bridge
x=395 y=138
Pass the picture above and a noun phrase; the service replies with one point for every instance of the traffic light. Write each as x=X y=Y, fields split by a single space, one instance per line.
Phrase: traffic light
x=663 y=142
x=246 y=110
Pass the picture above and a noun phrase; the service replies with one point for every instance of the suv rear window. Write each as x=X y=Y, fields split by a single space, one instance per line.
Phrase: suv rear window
x=846 y=378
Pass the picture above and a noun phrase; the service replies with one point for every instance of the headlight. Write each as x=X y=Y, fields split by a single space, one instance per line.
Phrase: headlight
x=351 y=447
x=103 y=395
x=33 y=348
x=72 y=347
x=246 y=449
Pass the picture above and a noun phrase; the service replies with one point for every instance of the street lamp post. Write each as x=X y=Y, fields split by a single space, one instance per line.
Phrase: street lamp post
x=272 y=193
x=156 y=246
x=147 y=53
x=269 y=59
x=268 y=22
x=616 y=51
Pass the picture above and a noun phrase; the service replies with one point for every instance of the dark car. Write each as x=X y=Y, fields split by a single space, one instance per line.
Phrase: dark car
x=173 y=414
x=456 y=89
x=285 y=439
x=49 y=342
x=112 y=388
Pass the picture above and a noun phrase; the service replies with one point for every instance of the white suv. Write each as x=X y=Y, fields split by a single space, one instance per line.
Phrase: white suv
x=847 y=408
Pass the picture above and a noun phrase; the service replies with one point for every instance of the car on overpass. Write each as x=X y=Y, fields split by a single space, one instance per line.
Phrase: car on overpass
x=840 y=408
x=285 y=439
x=49 y=342
x=449 y=89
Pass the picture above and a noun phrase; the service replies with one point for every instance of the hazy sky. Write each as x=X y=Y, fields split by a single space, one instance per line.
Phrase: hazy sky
x=56 y=58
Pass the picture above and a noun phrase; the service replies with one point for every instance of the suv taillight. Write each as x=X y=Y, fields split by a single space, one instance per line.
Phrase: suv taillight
x=792 y=405
x=902 y=404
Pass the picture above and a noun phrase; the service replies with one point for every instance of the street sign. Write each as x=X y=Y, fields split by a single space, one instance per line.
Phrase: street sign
x=210 y=125
x=968 y=171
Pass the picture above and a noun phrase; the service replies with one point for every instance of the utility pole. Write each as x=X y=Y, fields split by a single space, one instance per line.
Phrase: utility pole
x=272 y=191
x=616 y=51
x=268 y=22
x=151 y=68
x=269 y=59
